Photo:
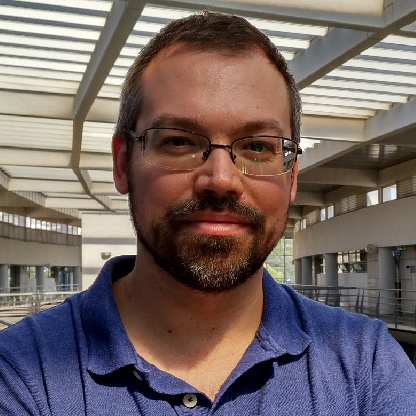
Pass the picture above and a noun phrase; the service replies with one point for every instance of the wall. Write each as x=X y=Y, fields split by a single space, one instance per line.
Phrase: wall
x=388 y=224
x=37 y=254
x=111 y=233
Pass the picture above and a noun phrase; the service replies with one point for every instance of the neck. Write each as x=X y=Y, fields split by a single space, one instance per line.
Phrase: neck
x=183 y=331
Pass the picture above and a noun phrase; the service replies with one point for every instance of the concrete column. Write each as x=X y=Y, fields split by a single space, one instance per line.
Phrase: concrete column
x=316 y=269
x=77 y=278
x=4 y=278
x=331 y=269
x=298 y=271
x=307 y=270
x=55 y=274
x=40 y=278
x=386 y=279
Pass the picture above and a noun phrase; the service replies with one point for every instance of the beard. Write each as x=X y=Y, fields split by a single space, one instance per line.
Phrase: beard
x=207 y=263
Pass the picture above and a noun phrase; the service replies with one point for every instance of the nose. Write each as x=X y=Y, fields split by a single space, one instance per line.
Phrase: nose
x=219 y=174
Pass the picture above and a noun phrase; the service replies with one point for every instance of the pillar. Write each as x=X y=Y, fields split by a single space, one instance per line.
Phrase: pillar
x=40 y=278
x=386 y=280
x=306 y=270
x=316 y=269
x=4 y=278
x=77 y=278
x=298 y=271
x=55 y=274
x=331 y=269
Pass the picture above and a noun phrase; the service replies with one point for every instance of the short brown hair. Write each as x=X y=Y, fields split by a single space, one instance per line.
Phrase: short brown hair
x=207 y=32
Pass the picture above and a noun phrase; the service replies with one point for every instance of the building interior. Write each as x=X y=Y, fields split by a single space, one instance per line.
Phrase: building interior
x=350 y=238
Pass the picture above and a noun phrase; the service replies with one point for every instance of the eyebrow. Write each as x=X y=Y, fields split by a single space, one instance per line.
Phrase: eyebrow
x=255 y=127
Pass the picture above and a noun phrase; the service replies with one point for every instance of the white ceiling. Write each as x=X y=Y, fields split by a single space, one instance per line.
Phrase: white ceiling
x=62 y=64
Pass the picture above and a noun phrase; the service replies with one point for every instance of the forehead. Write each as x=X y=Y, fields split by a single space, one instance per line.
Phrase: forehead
x=211 y=86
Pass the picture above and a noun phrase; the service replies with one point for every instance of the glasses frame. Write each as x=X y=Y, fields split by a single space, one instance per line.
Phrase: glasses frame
x=141 y=138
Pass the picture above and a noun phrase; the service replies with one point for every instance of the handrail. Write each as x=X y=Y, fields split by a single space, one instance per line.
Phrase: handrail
x=396 y=307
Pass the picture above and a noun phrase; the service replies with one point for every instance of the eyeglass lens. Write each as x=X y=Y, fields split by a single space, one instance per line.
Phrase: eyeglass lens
x=181 y=150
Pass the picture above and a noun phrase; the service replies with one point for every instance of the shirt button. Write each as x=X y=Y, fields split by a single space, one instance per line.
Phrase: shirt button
x=190 y=400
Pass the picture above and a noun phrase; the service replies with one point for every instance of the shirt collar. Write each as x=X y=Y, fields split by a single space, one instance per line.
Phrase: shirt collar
x=281 y=327
x=109 y=347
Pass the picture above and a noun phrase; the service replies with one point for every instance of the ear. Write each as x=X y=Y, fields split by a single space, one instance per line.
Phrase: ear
x=120 y=164
x=294 y=184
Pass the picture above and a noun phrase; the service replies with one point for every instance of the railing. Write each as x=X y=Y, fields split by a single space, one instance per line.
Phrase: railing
x=394 y=306
x=38 y=236
x=18 y=305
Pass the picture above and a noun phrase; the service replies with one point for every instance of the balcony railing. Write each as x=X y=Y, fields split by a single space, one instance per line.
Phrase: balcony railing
x=394 y=306
x=14 y=306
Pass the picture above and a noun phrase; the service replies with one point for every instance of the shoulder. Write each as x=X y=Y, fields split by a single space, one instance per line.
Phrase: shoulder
x=52 y=329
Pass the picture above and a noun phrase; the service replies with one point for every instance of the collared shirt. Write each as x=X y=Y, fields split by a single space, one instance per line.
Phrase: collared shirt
x=306 y=359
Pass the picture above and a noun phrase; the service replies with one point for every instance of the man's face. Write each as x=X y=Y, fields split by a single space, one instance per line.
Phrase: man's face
x=211 y=228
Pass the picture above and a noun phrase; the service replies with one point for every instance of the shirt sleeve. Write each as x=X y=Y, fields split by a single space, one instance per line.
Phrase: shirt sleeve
x=394 y=379
x=15 y=397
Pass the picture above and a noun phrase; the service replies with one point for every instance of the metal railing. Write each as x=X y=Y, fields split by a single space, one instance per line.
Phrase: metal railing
x=18 y=305
x=396 y=307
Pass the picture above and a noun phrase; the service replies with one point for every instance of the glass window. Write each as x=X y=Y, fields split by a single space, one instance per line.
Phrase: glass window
x=389 y=193
x=330 y=211
x=53 y=227
x=303 y=224
x=322 y=215
x=371 y=198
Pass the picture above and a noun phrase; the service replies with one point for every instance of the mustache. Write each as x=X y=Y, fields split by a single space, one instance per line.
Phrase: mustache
x=225 y=203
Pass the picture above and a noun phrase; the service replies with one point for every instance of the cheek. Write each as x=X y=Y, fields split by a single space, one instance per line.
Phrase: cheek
x=271 y=197
x=156 y=190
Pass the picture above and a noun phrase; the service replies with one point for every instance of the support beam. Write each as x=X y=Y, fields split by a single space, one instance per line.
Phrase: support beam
x=340 y=44
x=118 y=26
x=29 y=157
x=364 y=15
x=314 y=199
x=341 y=176
x=38 y=185
x=35 y=104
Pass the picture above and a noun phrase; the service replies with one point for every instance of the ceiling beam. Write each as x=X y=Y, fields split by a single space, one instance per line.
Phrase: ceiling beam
x=80 y=203
x=117 y=28
x=340 y=15
x=341 y=176
x=34 y=157
x=35 y=104
x=389 y=123
x=39 y=185
x=314 y=199
x=340 y=44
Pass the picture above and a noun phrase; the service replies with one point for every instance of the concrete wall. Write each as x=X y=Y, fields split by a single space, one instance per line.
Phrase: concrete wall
x=388 y=224
x=101 y=233
x=36 y=254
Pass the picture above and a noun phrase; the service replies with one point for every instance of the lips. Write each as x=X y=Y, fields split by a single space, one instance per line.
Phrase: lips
x=216 y=223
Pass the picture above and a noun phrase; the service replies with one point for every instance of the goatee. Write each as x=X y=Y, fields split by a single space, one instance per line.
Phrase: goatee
x=207 y=263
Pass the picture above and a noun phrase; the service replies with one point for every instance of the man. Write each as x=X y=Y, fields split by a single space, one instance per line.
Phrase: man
x=206 y=147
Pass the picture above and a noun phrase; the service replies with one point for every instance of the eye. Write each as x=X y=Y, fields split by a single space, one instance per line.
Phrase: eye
x=259 y=147
x=177 y=141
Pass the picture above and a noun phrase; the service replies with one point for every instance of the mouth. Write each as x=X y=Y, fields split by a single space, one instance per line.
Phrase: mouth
x=216 y=223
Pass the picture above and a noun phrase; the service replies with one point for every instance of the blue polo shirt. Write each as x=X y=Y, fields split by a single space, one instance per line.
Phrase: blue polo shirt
x=306 y=359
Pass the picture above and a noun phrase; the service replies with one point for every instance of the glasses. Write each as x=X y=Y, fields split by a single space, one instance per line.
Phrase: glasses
x=177 y=149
